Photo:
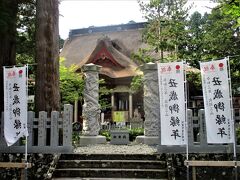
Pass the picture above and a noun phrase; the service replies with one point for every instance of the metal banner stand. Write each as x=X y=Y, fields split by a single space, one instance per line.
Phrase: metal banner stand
x=26 y=162
x=233 y=121
x=26 y=139
x=186 y=120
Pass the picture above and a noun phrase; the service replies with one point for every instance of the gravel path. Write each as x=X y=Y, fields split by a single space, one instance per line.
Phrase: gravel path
x=116 y=149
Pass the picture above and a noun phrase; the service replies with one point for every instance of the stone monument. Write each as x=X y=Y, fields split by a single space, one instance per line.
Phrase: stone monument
x=151 y=106
x=91 y=108
x=136 y=121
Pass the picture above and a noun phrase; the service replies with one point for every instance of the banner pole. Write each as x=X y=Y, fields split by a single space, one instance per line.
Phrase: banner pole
x=186 y=119
x=233 y=121
x=26 y=161
x=26 y=143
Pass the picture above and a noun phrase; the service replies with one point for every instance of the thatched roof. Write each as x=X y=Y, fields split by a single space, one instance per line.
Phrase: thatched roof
x=81 y=48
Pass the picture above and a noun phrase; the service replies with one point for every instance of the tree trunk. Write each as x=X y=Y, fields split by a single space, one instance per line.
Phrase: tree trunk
x=47 y=96
x=8 y=15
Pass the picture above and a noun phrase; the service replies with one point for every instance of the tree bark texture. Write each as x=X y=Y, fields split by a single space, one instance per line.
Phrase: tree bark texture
x=8 y=16
x=47 y=96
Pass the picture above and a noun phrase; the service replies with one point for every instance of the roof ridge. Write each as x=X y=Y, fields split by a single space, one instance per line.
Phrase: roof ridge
x=108 y=28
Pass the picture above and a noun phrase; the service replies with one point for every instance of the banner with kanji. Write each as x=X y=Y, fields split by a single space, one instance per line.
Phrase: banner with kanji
x=217 y=103
x=172 y=103
x=15 y=104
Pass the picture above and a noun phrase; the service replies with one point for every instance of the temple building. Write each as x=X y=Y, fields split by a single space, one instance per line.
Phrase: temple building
x=111 y=47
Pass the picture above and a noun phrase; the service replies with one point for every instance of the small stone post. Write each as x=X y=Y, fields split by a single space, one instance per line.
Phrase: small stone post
x=151 y=105
x=91 y=108
x=203 y=130
x=75 y=110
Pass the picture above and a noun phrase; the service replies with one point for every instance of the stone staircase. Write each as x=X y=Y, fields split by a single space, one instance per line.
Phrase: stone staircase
x=110 y=166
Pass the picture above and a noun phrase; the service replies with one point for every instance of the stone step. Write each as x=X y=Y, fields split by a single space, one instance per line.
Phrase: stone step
x=89 y=178
x=110 y=156
x=111 y=173
x=102 y=166
x=124 y=164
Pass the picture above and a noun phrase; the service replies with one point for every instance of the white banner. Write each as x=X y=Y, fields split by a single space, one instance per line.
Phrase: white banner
x=215 y=84
x=172 y=103
x=15 y=104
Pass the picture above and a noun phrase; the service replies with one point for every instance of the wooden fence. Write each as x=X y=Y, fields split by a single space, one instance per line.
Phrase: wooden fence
x=198 y=144
x=46 y=135
x=54 y=135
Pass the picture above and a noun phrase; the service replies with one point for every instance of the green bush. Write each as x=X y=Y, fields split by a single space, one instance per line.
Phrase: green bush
x=238 y=135
x=106 y=133
x=134 y=132
x=75 y=138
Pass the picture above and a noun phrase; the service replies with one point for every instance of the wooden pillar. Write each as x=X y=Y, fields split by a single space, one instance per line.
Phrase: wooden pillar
x=130 y=106
x=76 y=110
x=112 y=101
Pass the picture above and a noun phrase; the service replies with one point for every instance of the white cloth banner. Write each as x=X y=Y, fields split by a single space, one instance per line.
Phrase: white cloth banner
x=172 y=103
x=215 y=84
x=15 y=104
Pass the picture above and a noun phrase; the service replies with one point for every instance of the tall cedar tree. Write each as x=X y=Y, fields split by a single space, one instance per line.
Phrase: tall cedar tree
x=165 y=31
x=8 y=16
x=195 y=44
x=47 y=96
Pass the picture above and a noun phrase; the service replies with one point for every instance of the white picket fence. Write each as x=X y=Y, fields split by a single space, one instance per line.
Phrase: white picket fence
x=46 y=135
x=196 y=120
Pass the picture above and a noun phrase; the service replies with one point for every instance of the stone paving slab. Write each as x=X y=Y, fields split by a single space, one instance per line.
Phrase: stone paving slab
x=107 y=148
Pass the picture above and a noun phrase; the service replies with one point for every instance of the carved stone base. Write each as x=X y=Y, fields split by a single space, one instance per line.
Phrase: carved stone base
x=149 y=140
x=88 y=140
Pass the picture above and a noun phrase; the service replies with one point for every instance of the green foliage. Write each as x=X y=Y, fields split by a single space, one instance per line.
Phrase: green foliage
x=238 y=135
x=165 y=31
x=211 y=36
x=195 y=50
x=232 y=8
x=134 y=132
x=75 y=138
x=25 y=45
x=71 y=83
x=24 y=58
x=194 y=83
x=221 y=39
x=143 y=56
x=103 y=94
x=137 y=83
x=105 y=133
x=214 y=36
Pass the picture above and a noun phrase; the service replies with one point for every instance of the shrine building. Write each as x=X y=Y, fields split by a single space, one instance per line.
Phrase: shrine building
x=111 y=47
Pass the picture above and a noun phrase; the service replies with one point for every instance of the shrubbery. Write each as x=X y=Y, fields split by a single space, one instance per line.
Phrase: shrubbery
x=106 y=133
x=134 y=132
x=238 y=135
